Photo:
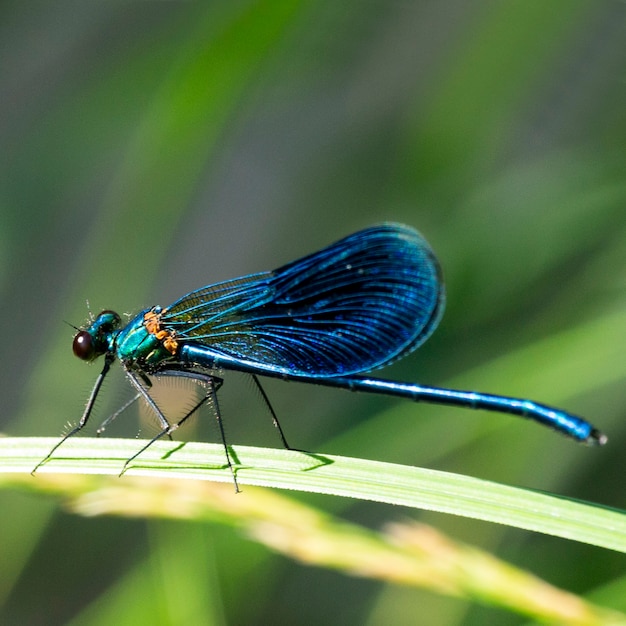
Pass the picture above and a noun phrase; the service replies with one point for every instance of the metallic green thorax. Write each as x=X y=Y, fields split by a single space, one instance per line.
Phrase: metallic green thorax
x=134 y=344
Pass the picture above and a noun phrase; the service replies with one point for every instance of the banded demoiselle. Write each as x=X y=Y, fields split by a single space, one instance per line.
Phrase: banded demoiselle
x=328 y=318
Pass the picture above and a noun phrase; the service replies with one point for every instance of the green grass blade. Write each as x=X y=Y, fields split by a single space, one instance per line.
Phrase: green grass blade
x=354 y=478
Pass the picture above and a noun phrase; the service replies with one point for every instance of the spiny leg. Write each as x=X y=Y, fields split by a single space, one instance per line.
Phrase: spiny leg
x=218 y=416
x=132 y=376
x=117 y=413
x=268 y=404
x=211 y=396
x=108 y=359
x=148 y=384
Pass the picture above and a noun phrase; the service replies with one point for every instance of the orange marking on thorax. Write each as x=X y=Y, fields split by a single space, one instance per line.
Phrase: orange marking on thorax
x=152 y=322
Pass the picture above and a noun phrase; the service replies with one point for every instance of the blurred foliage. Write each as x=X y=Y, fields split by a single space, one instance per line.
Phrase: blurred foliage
x=150 y=148
x=407 y=554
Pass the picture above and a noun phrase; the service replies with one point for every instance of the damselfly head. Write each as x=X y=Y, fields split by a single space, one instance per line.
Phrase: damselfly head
x=97 y=339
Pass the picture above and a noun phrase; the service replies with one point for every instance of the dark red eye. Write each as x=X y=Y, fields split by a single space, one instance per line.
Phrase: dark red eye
x=83 y=346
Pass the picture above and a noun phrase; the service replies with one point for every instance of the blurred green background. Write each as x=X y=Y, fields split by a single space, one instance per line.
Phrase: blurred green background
x=149 y=148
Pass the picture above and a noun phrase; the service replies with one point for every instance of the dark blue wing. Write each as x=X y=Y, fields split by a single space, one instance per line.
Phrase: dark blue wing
x=356 y=305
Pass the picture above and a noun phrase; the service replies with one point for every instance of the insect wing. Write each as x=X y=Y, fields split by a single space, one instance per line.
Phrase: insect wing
x=356 y=305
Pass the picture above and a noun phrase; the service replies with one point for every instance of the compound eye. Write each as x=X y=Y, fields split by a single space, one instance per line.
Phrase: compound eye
x=83 y=346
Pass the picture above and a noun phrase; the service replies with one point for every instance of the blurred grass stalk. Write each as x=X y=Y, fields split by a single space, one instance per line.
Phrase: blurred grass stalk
x=406 y=554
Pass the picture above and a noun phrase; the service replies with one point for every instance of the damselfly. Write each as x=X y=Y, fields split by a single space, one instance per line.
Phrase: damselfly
x=328 y=318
